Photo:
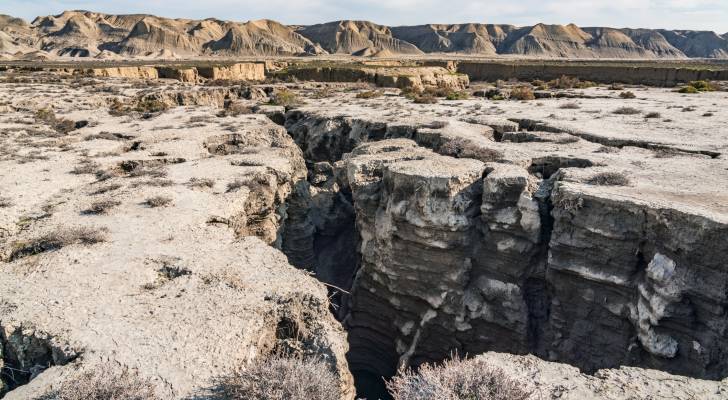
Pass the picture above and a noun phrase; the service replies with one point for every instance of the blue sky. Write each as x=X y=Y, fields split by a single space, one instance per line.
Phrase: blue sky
x=672 y=14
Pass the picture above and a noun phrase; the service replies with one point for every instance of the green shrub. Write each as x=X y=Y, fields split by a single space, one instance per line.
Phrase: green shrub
x=703 y=86
x=688 y=90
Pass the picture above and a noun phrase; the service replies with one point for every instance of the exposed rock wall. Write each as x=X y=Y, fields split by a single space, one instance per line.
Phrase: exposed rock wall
x=461 y=255
x=416 y=78
x=126 y=72
x=653 y=76
x=239 y=71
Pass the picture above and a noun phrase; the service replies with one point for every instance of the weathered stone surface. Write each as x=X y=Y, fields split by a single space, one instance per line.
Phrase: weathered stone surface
x=595 y=275
x=239 y=71
x=550 y=380
x=182 y=293
x=126 y=72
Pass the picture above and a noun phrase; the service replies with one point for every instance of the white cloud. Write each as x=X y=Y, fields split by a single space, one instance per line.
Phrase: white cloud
x=673 y=14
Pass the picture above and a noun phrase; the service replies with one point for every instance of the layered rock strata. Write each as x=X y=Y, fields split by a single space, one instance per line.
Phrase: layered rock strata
x=523 y=255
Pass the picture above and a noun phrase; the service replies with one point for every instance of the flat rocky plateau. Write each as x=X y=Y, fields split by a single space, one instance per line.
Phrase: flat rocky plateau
x=185 y=229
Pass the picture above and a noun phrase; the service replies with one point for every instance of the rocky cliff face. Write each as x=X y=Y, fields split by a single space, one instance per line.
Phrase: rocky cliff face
x=89 y=34
x=517 y=256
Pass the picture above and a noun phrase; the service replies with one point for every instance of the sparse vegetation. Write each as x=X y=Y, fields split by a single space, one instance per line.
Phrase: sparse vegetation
x=86 y=166
x=688 y=90
x=616 y=86
x=369 y=94
x=281 y=378
x=104 y=383
x=201 y=183
x=56 y=240
x=105 y=189
x=424 y=99
x=652 y=114
x=457 y=95
x=626 y=111
x=462 y=148
x=609 y=179
x=101 y=206
x=699 y=86
x=457 y=379
x=285 y=97
x=570 y=106
x=60 y=125
x=627 y=95
x=158 y=201
x=522 y=93
x=568 y=82
x=5 y=202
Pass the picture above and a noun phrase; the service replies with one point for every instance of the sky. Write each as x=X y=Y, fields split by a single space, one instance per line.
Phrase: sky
x=667 y=14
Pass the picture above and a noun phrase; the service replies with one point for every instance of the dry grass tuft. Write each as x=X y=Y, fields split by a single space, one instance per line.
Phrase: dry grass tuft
x=158 y=201
x=56 y=240
x=653 y=114
x=85 y=167
x=201 y=183
x=461 y=148
x=457 y=379
x=609 y=179
x=627 y=95
x=5 y=202
x=101 y=206
x=104 y=383
x=522 y=93
x=626 y=111
x=369 y=94
x=281 y=378
x=570 y=106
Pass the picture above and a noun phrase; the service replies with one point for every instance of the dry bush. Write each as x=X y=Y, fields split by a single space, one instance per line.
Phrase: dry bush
x=462 y=148
x=653 y=115
x=424 y=99
x=60 y=125
x=85 y=167
x=281 y=378
x=457 y=379
x=609 y=179
x=101 y=206
x=158 y=201
x=569 y=82
x=522 y=93
x=286 y=98
x=457 y=95
x=104 y=383
x=626 y=111
x=201 y=183
x=5 y=202
x=570 y=106
x=105 y=189
x=688 y=90
x=56 y=240
x=369 y=94
x=235 y=109
x=627 y=95
x=616 y=86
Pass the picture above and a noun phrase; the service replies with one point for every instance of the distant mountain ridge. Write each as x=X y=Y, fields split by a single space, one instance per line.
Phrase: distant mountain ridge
x=97 y=35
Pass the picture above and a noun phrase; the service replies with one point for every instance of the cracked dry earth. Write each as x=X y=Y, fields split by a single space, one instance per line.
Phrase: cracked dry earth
x=177 y=243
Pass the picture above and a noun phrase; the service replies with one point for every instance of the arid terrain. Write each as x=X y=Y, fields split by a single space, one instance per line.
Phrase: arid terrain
x=188 y=227
x=84 y=34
